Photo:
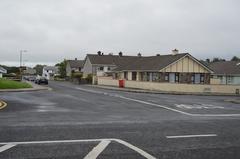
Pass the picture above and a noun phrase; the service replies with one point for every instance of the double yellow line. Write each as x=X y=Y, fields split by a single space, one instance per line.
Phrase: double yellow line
x=2 y=104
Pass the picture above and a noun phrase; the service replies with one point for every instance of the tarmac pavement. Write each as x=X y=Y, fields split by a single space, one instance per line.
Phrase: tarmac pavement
x=77 y=121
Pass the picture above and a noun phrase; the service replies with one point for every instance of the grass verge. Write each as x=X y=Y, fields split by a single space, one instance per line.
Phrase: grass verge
x=9 y=84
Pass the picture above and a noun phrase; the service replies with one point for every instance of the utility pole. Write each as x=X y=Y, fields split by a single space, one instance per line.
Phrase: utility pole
x=20 y=68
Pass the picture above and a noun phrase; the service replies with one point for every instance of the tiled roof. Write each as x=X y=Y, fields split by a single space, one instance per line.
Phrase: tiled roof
x=225 y=67
x=76 y=63
x=2 y=70
x=151 y=63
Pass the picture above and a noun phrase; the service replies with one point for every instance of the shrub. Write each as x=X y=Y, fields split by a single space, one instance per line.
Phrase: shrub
x=89 y=78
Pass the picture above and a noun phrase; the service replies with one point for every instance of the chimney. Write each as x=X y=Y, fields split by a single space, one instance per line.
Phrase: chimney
x=76 y=59
x=139 y=54
x=99 y=53
x=174 y=52
x=120 y=54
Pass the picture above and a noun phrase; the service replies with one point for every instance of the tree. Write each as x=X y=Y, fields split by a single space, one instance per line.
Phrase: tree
x=217 y=59
x=62 y=68
x=39 y=69
x=235 y=58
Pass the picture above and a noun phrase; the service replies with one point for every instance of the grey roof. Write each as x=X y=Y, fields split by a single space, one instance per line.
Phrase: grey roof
x=107 y=59
x=225 y=67
x=3 y=70
x=143 y=63
x=54 y=68
x=151 y=63
x=76 y=63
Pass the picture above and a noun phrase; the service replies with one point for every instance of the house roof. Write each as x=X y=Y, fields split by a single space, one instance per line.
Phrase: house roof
x=107 y=59
x=151 y=63
x=3 y=70
x=54 y=68
x=76 y=63
x=136 y=63
x=225 y=67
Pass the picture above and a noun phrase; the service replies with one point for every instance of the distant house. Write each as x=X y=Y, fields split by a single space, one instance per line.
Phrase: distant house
x=225 y=72
x=2 y=71
x=100 y=64
x=74 y=66
x=172 y=68
x=50 y=71
x=29 y=71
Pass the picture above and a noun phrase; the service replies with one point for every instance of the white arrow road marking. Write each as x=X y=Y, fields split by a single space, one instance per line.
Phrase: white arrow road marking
x=6 y=147
x=97 y=150
x=189 y=136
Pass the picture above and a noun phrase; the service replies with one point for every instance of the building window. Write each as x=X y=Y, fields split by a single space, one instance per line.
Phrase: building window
x=229 y=79
x=166 y=77
x=101 y=68
x=197 y=78
x=109 y=68
x=155 y=77
x=134 y=76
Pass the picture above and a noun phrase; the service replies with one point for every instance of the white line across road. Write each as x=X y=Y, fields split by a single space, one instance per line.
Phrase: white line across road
x=191 y=136
x=92 y=154
x=97 y=150
x=157 y=105
x=6 y=147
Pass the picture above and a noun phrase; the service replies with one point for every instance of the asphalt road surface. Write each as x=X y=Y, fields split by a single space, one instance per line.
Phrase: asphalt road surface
x=77 y=121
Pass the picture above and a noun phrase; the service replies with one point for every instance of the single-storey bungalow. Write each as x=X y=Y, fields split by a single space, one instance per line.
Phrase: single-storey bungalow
x=225 y=72
x=172 y=68
x=2 y=71
x=74 y=66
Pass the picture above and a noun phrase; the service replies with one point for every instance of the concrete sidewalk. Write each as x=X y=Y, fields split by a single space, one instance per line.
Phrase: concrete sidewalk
x=158 y=92
x=35 y=87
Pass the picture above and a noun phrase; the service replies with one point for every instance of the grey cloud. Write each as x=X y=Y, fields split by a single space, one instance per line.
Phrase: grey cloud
x=57 y=29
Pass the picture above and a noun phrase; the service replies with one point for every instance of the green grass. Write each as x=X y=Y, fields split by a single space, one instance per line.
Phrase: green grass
x=9 y=84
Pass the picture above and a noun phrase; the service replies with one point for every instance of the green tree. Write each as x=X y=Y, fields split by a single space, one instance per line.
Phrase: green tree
x=216 y=59
x=235 y=58
x=39 y=69
x=62 y=68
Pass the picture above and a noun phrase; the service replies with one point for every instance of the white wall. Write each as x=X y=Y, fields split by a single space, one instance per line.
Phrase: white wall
x=173 y=87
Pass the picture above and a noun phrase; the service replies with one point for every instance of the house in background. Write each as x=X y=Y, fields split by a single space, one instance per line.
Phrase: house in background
x=2 y=71
x=50 y=71
x=74 y=66
x=172 y=68
x=225 y=72
x=102 y=65
x=29 y=71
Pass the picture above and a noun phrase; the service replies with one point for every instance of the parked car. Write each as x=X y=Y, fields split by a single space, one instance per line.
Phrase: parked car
x=41 y=80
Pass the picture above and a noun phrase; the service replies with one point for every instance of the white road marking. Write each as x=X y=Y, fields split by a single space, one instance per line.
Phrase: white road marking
x=6 y=147
x=138 y=150
x=190 y=136
x=157 y=105
x=97 y=150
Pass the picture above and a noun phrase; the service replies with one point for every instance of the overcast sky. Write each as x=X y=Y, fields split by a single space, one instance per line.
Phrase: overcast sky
x=55 y=29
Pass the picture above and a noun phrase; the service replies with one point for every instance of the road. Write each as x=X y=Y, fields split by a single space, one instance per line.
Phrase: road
x=79 y=121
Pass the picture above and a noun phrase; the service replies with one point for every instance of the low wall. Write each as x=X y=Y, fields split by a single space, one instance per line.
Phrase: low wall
x=107 y=81
x=173 y=87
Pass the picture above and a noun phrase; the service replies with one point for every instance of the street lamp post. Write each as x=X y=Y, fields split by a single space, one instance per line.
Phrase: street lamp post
x=21 y=52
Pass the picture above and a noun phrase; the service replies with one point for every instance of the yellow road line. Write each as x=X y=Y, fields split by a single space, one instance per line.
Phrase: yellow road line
x=2 y=104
